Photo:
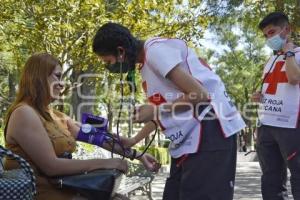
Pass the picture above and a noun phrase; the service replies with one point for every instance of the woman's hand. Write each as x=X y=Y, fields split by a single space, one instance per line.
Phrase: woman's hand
x=117 y=163
x=150 y=163
x=144 y=113
x=126 y=142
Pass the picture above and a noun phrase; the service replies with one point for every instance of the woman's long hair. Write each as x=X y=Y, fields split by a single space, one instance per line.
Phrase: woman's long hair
x=34 y=88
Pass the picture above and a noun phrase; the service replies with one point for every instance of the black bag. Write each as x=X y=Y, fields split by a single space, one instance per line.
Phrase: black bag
x=95 y=185
x=19 y=183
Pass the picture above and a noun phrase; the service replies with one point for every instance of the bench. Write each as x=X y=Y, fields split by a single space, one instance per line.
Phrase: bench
x=138 y=178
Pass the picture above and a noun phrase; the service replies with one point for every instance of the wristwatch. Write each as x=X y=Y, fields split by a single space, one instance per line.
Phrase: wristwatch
x=289 y=54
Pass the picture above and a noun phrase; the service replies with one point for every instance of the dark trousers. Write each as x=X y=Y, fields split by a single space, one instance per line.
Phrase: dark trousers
x=277 y=149
x=208 y=174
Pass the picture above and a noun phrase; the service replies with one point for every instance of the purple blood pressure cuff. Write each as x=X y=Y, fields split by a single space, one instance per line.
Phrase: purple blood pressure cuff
x=93 y=130
x=98 y=122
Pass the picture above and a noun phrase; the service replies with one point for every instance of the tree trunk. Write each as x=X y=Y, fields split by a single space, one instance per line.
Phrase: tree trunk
x=75 y=101
x=110 y=116
x=83 y=104
x=296 y=23
x=11 y=86
x=130 y=123
x=158 y=138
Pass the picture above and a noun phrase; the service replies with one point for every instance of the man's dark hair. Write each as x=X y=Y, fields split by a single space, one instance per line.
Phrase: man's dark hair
x=110 y=36
x=274 y=18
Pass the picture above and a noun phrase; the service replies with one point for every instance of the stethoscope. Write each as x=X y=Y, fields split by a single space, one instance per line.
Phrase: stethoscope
x=117 y=140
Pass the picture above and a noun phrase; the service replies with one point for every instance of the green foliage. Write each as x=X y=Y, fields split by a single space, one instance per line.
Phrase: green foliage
x=66 y=29
x=241 y=62
x=1 y=137
x=88 y=147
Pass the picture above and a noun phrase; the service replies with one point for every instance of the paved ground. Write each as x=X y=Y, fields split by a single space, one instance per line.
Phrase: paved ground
x=247 y=182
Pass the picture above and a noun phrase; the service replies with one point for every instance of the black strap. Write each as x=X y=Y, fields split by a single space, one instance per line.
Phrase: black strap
x=5 y=128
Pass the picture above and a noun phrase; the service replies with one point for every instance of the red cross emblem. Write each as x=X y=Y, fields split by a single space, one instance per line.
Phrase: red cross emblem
x=275 y=77
x=157 y=99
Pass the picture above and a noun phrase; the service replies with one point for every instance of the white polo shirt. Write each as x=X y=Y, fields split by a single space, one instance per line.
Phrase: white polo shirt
x=281 y=101
x=184 y=129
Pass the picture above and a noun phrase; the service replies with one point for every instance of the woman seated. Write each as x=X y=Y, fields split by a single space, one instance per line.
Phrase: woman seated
x=44 y=136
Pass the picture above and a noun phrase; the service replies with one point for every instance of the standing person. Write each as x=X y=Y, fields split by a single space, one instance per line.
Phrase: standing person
x=278 y=137
x=175 y=82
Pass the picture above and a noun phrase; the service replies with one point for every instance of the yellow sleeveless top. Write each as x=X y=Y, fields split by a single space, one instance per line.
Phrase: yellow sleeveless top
x=62 y=141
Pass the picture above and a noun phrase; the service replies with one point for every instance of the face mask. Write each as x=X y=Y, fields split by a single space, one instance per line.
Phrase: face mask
x=276 y=42
x=116 y=67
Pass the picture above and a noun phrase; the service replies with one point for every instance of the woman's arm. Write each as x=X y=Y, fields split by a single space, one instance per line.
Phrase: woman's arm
x=26 y=129
x=147 y=160
x=74 y=128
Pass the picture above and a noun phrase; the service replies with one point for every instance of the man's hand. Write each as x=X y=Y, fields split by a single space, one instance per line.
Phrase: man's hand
x=144 y=113
x=150 y=163
x=289 y=46
x=292 y=67
x=257 y=97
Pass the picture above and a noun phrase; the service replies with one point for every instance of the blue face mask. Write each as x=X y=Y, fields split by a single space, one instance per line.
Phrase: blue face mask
x=276 y=42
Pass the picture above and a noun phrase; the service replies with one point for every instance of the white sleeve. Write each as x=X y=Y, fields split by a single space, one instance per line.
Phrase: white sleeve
x=163 y=58
x=297 y=57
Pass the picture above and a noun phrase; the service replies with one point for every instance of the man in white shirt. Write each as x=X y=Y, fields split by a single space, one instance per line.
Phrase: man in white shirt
x=183 y=92
x=278 y=137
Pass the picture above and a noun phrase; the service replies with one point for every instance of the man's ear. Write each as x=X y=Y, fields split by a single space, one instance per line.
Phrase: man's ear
x=288 y=29
x=121 y=53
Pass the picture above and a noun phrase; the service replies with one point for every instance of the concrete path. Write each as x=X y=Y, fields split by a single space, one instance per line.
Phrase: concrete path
x=247 y=185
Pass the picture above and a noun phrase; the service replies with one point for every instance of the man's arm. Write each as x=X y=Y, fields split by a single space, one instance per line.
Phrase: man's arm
x=292 y=67
x=292 y=70
x=193 y=93
x=142 y=134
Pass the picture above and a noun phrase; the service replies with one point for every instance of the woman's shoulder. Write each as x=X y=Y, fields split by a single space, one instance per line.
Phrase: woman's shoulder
x=22 y=108
x=25 y=112
x=22 y=118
